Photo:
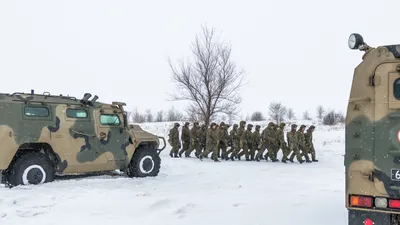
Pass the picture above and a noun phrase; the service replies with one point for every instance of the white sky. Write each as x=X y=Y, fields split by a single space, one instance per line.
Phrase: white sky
x=293 y=51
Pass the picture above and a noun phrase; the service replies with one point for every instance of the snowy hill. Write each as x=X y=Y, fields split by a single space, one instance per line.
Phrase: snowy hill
x=190 y=191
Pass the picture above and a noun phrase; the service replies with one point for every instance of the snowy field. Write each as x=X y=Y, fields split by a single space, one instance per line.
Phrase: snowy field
x=191 y=192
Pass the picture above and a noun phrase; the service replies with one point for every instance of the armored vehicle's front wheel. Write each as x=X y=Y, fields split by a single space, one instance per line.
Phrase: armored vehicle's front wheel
x=31 y=168
x=145 y=163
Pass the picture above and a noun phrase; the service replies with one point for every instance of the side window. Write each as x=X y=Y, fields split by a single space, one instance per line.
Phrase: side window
x=396 y=88
x=36 y=111
x=77 y=113
x=110 y=119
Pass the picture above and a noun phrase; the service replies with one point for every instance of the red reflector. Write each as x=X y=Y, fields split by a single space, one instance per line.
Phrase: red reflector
x=394 y=203
x=361 y=201
x=368 y=222
x=398 y=135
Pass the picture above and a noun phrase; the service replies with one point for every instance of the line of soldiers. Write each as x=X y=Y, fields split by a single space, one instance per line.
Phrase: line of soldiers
x=243 y=142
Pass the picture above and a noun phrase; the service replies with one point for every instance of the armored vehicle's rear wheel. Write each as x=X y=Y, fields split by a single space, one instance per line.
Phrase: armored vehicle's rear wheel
x=31 y=168
x=145 y=163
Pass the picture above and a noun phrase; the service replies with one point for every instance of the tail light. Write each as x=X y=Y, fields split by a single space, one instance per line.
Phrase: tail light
x=394 y=204
x=361 y=201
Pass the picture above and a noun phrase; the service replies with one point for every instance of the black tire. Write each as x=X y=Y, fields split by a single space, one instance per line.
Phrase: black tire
x=144 y=163
x=31 y=168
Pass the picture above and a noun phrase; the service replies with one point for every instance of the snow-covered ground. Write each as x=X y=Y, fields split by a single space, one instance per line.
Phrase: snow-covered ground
x=190 y=191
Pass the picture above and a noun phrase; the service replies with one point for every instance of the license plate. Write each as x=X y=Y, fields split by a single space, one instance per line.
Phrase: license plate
x=396 y=174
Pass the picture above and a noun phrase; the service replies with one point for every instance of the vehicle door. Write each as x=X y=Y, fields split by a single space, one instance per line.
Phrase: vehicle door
x=77 y=140
x=111 y=135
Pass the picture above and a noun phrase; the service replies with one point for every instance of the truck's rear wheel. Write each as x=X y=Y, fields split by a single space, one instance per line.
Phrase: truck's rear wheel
x=145 y=163
x=31 y=168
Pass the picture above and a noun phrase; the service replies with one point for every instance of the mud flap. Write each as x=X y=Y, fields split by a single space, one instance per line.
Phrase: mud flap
x=357 y=217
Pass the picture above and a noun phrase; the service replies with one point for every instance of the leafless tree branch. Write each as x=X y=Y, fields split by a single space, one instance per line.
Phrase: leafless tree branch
x=210 y=81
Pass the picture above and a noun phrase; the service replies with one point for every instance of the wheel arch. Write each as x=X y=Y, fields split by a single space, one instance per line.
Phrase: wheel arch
x=42 y=147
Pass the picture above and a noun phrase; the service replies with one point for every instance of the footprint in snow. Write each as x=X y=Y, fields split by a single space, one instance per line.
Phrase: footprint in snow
x=238 y=204
x=161 y=204
x=184 y=210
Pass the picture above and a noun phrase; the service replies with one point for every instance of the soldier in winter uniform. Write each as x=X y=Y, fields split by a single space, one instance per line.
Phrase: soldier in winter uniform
x=211 y=144
x=185 y=137
x=302 y=143
x=309 y=142
x=247 y=141
x=203 y=133
x=223 y=139
x=264 y=144
x=235 y=143
x=282 y=143
x=275 y=145
x=294 y=144
x=255 y=136
x=174 y=140
x=194 y=140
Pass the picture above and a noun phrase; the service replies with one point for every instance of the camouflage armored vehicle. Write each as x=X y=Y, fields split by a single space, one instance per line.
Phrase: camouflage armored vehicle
x=43 y=135
x=372 y=158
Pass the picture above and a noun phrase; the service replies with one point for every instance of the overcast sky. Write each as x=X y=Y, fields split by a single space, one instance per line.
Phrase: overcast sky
x=293 y=51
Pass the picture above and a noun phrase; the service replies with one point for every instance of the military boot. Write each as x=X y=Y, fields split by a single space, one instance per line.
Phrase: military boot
x=315 y=160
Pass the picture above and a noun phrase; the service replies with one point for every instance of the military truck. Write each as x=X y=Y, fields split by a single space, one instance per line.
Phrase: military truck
x=44 y=135
x=372 y=152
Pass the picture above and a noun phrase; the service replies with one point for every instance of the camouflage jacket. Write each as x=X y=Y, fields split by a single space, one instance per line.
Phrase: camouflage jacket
x=242 y=135
x=195 y=135
x=249 y=137
x=212 y=137
x=292 y=139
x=185 y=137
x=281 y=137
x=234 y=137
x=256 y=138
x=269 y=137
x=203 y=136
x=174 y=136
x=301 y=139
x=223 y=136
x=308 y=138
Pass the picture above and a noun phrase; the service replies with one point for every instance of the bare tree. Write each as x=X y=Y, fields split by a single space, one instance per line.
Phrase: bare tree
x=306 y=115
x=149 y=116
x=290 y=114
x=174 y=115
x=257 y=116
x=160 y=116
x=332 y=118
x=320 y=112
x=138 y=117
x=340 y=117
x=193 y=115
x=277 y=112
x=210 y=82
